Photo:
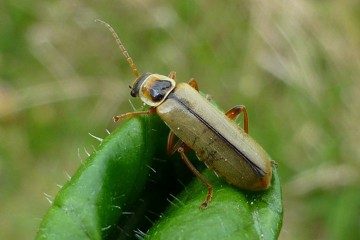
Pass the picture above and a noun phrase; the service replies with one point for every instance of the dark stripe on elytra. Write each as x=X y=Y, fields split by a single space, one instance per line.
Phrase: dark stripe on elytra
x=258 y=170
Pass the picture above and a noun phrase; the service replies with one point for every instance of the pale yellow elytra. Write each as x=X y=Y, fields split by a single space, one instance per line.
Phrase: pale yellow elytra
x=214 y=136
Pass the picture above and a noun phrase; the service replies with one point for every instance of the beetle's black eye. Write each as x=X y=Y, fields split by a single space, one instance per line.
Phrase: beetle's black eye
x=133 y=93
x=159 y=90
x=136 y=86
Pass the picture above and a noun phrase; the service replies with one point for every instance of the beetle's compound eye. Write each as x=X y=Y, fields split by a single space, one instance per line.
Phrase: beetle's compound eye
x=133 y=93
x=135 y=88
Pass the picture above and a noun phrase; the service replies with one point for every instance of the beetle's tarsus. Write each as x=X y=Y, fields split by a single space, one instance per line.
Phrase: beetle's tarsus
x=273 y=163
x=203 y=205
x=119 y=117
x=116 y=119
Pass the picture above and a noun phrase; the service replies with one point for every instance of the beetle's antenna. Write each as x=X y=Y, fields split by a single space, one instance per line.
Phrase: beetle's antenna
x=121 y=46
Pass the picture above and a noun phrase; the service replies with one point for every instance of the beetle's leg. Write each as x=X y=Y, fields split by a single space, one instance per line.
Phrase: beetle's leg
x=194 y=84
x=132 y=114
x=181 y=150
x=209 y=97
x=171 y=148
x=172 y=75
x=273 y=163
x=233 y=112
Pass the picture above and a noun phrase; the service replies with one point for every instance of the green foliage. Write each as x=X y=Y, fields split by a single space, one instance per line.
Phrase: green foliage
x=95 y=196
x=232 y=214
x=107 y=185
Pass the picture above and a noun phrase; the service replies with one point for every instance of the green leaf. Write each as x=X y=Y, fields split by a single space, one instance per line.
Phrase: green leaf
x=93 y=201
x=108 y=196
x=232 y=214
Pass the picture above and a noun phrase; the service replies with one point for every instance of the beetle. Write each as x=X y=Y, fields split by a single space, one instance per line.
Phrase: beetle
x=216 y=139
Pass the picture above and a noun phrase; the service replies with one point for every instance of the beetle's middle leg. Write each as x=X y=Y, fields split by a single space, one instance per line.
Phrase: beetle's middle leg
x=233 y=112
x=171 y=147
x=181 y=148
x=194 y=85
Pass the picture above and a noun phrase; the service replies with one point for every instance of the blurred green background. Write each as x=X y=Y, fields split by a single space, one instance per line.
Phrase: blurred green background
x=294 y=64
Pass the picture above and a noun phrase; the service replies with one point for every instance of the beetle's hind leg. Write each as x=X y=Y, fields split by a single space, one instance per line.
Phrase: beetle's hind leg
x=233 y=112
x=181 y=148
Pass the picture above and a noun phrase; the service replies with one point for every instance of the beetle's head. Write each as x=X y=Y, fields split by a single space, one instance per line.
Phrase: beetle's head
x=152 y=88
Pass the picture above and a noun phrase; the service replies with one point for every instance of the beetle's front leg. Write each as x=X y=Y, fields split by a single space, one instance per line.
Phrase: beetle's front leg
x=172 y=75
x=233 y=112
x=132 y=114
